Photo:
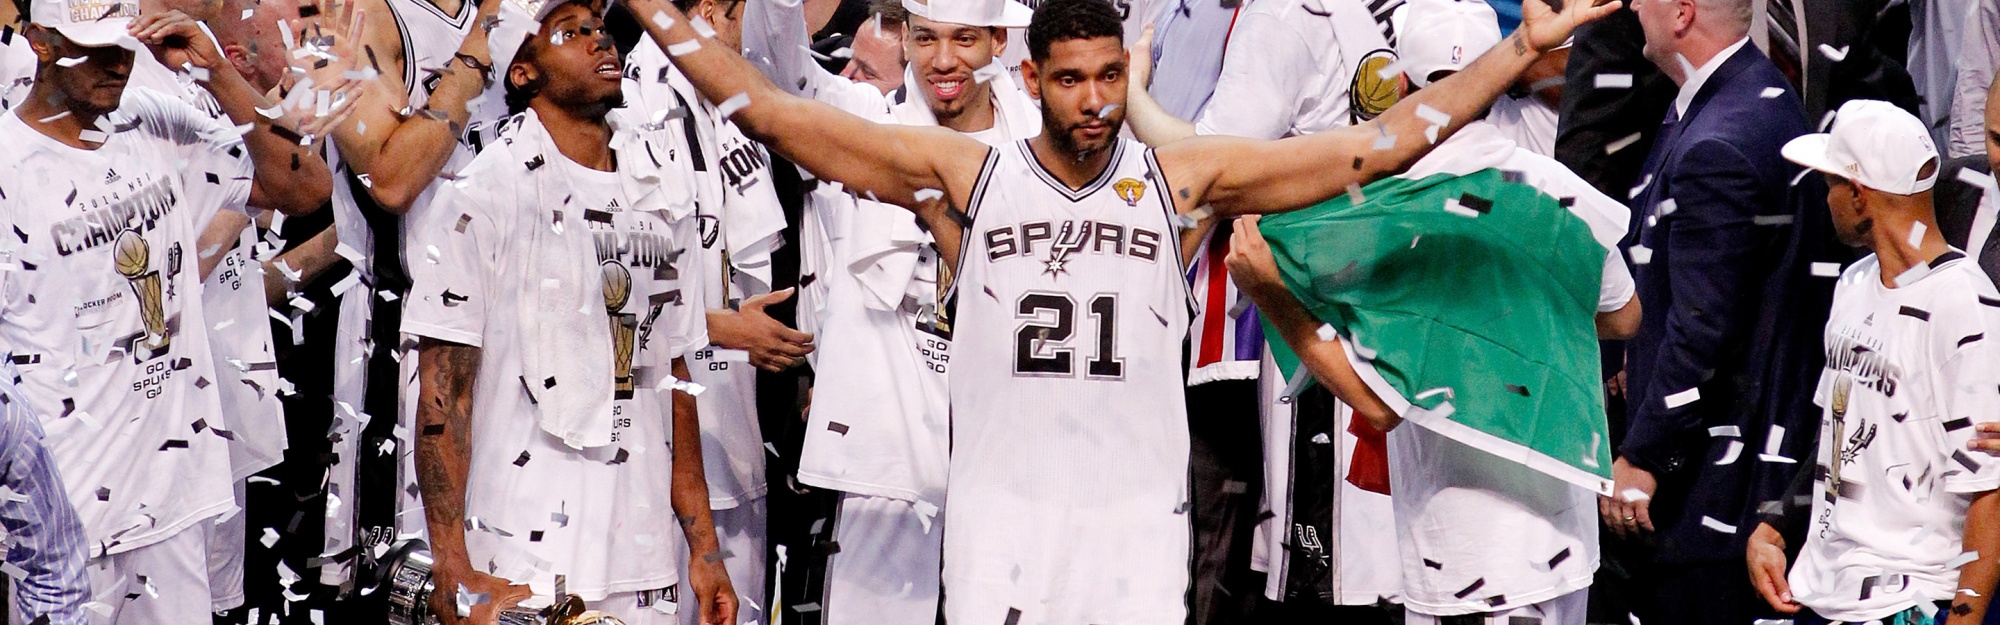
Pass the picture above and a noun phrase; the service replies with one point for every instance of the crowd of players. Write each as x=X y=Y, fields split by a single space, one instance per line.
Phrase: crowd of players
x=908 y=311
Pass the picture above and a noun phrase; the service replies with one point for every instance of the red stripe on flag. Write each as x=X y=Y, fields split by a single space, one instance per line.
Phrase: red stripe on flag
x=1215 y=315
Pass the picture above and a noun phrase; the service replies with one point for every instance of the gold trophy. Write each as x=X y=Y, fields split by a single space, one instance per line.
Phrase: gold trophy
x=1842 y=387
x=617 y=290
x=132 y=255
x=404 y=576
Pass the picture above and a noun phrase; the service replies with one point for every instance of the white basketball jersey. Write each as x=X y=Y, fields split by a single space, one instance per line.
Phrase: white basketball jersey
x=430 y=38
x=1069 y=429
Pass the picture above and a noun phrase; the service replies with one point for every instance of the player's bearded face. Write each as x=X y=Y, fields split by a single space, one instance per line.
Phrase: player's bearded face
x=91 y=88
x=579 y=59
x=1082 y=89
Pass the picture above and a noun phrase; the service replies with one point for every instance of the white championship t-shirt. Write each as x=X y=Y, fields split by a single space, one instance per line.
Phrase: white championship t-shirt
x=1480 y=533
x=1909 y=371
x=103 y=312
x=600 y=516
x=1293 y=68
x=17 y=67
x=1528 y=121
x=239 y=330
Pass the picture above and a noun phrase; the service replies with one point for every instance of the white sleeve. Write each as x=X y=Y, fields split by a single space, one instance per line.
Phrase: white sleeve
x=1978 y=56
x=1968 y=385
x=214 y=164
x=683 y=322
x=775 y=40
x=1617 y=288
x=450 y=287
x=1263 y=72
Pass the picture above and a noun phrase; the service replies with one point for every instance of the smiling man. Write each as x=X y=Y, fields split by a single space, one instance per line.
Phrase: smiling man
x=878 y=427
x=1069 y=443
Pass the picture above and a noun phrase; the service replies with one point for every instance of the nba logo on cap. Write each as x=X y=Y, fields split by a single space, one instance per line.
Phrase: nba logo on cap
x=1457 y=54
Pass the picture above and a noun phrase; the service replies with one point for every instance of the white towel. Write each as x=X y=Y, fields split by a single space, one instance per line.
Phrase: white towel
x=886 y=239
x=563 y=336
x=753 y=222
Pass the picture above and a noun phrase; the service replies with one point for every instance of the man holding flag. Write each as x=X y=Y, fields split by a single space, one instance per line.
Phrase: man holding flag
x=1465 y=295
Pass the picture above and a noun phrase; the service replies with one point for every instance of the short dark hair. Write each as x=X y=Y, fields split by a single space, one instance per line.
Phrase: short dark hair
x=1063 y=20
x=894 y=16
x=687 y=6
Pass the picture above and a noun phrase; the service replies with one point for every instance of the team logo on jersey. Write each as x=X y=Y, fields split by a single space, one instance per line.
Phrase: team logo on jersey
x=1372 y=93
x=134 y=259
x=1130 y=190
x=1068 y=239
x=1024 y=240
x=617 y=291
x=710 y=228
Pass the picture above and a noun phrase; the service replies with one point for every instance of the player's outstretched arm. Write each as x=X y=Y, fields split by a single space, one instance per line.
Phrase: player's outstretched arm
x=445 y=372
x=901 y=165
x=707 y=577
x=1240 y=176
x=402 y=151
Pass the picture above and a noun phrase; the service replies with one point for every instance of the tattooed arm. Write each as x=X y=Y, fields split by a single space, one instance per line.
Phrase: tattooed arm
x=445 y=373
x=706 y=574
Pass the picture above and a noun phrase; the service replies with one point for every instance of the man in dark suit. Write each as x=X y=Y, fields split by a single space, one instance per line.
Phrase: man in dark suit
x=1722 y=247
x=1967 y=203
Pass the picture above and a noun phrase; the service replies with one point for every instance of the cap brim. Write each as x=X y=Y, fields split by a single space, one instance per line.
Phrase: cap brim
x=1810 y=151
x=101 y=34
x=1014 y=15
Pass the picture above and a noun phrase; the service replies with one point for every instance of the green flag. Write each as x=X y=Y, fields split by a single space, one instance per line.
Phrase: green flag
x=1473 y=298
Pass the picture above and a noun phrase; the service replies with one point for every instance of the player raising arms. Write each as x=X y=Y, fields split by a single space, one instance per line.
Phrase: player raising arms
x=1069 y=436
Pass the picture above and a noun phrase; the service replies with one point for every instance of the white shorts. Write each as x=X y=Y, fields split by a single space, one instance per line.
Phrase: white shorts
x=176 y=589
x=1570 y=609
x=740 y=531
x=227 y=542
x=887 y=570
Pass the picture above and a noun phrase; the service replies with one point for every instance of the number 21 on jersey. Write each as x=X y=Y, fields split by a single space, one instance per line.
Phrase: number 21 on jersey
x=1042 y=344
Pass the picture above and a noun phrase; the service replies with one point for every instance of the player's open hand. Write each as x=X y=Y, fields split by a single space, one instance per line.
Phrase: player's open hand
x=773 y=346
x=1766 y=556
x=1139 y=65
x=177 y=40
x=497 y=593
x=712 y=591
x=334 y=59
x=1546 y=24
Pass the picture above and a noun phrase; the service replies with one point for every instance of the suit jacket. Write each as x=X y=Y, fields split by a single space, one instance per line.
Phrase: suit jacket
x=1592 y=119
x=1957 y=201
x=1730 y=338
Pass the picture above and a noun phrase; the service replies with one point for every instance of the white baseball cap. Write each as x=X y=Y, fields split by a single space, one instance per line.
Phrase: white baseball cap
x=988 y=13
x=519 y=20
x=89 y=23
x=1441 y=35
x=1874 y=144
